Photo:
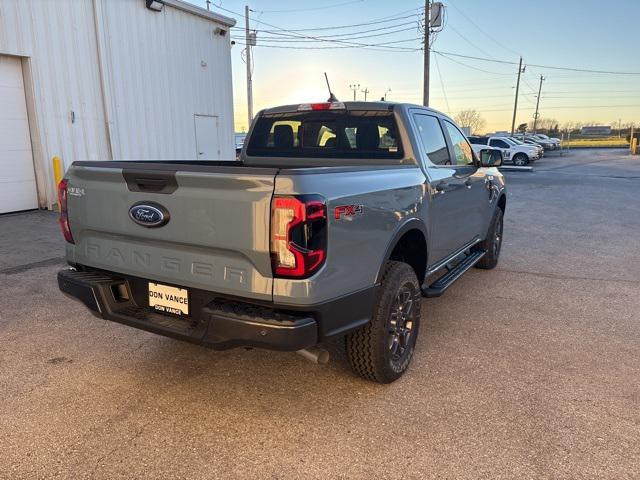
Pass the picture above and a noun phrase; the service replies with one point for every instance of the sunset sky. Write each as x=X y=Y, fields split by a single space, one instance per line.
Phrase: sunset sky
x=584 y=34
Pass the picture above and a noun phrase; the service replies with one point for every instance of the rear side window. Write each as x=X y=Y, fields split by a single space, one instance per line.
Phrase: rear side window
x=333 y=134
x=432 y=139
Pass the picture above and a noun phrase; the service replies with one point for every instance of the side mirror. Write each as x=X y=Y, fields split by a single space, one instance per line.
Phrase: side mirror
x=490 y=157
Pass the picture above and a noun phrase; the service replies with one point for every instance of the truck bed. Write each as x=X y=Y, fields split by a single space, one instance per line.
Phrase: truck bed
x=237 y=167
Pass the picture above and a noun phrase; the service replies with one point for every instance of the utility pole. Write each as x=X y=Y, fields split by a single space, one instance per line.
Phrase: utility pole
x=354 y=87
x=515 y=105
x=248 y=58
x=535 y=116
x=427 y=52
x=365 y=91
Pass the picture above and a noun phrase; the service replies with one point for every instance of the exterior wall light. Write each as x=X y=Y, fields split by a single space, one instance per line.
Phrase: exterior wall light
x=155 y=5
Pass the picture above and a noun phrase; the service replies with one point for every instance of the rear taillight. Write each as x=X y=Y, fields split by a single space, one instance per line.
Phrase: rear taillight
x=298 y=235
x=63 y=196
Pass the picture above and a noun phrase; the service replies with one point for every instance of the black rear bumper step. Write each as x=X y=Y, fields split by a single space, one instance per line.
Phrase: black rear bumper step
x=438 y=287
x=214 y=322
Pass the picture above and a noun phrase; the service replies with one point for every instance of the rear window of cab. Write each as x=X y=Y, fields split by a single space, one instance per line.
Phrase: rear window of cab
x=333 y=134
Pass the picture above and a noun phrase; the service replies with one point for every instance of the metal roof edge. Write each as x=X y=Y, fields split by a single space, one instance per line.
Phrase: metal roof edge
x=200 y=12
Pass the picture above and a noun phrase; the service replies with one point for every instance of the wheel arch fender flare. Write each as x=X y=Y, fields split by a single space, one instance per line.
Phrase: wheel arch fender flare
x=408 y=225
x=502 y=201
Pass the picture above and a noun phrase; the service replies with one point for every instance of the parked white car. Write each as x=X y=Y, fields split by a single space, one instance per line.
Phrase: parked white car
x=518 y=154
x=546 y=139
x=239 y=139
x=533 y=144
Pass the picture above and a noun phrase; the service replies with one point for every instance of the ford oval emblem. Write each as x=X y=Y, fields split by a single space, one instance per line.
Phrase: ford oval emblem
x=149 y=214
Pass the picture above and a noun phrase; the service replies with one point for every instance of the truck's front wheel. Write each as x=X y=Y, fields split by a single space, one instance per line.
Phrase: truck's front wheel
x=493 y=243
x=382 y=350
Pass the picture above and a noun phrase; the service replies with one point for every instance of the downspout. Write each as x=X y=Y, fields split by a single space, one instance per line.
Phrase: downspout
x=103 y=82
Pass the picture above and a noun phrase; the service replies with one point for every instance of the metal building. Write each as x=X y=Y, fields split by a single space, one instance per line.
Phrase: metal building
x=108 y=80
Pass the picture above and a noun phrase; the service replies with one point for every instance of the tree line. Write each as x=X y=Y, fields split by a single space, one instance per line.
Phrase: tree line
x=473 y=119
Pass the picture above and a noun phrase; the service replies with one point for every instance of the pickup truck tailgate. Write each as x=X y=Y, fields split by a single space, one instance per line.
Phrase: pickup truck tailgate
x=216 y=239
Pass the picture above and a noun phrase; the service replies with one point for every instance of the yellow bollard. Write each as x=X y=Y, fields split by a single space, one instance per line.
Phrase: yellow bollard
x=634 y=146
x=57 y=172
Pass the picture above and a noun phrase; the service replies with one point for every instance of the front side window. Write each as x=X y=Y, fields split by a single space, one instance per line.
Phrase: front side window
x=461 y=149
x=432 y=138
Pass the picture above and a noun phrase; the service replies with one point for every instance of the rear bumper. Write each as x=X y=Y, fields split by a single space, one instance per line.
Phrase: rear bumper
x=216 y=321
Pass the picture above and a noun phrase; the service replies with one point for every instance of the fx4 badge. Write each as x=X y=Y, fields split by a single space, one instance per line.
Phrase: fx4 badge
x=345 y=211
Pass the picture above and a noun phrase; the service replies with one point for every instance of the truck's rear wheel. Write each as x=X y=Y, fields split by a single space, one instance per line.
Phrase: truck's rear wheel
x=382 y=350
x=520 y=160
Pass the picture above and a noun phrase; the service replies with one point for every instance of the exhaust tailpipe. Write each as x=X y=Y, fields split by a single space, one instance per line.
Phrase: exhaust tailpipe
x=315 y=355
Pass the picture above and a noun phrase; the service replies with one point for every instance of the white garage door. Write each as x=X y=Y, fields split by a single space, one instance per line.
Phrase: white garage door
x=17 y=178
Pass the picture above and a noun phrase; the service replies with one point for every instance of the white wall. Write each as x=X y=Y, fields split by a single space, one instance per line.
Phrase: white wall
x=57 y=42
x=158 y=81
x=151 y=70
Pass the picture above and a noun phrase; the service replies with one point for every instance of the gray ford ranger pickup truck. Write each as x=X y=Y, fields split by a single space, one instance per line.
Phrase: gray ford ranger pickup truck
x=335 y=221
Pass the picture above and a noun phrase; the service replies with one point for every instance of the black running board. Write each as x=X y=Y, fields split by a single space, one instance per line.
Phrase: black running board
x=438 y=287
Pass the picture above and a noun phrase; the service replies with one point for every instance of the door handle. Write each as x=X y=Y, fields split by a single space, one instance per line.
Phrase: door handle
x=441 y=186
x=468 y=182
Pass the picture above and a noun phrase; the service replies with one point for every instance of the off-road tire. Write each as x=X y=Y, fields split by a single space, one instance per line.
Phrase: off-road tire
x=370 y=348
x=493 y=243
x=520 y=160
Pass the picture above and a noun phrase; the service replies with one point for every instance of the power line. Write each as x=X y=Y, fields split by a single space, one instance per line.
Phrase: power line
x=482 y=31
x=598 y=97
x=388 y=46
x=446 y=100
x=469 y=66
x=286 y=38
x=594 y=106
x=474 y=45
x=377 y=29
x=341 y=42
x=507 y=62
x=312 y=8
x=591 y=93
x=564 y=107
x=376 y=21
x=472 y=97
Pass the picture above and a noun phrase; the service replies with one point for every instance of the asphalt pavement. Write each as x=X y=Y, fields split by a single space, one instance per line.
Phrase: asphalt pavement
x=531 y=370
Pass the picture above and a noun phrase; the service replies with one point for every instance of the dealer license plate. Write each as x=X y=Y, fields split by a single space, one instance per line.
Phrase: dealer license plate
x=166 y=299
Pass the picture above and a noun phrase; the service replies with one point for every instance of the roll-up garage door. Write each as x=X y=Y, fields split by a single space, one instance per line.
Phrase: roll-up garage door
x=17 y=177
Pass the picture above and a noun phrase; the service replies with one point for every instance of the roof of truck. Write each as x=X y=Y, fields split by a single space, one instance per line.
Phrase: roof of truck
x=381 y=106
